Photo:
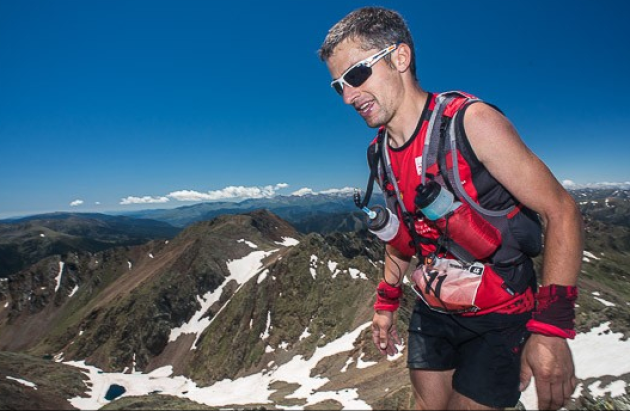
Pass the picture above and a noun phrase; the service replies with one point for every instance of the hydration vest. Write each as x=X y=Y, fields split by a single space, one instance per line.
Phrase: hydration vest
x=511 y=232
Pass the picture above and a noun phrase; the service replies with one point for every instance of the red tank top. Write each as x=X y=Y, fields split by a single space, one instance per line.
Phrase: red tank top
x=406 y=163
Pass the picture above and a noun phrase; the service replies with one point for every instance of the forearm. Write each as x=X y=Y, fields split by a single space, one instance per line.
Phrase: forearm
x=564 y=244
x=395 y=266
x=555 y=300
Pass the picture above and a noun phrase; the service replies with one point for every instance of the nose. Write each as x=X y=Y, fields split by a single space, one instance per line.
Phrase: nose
x=350 y=94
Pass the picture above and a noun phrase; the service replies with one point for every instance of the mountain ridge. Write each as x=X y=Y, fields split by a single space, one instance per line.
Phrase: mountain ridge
x=27 y=240
x=244 y=298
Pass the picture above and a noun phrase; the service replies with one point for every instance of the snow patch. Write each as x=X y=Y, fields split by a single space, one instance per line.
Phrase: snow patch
x=606 y=303
x=249 y=243
x=23 y=382
x=399 y=354
x=345 y=367
x=58 y=277
x=305 y=334
x=364 y=364
x=262 y=276
x=252 y=389
x=313 y=266
x=265 y=334
x=615 y=388
x=356 y=274
x=590 y=255
x=74 y=290
x=288 y=242
x=241 y=270
x=332 y=266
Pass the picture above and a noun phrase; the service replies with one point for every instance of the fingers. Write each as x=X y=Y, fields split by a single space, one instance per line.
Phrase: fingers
x=551 y=396
x=375 y=335
x=377 y=338
x=549 y=361
x=526 y=375
x=554 y=393
x=392 y=341
x=384 y=334
x=395 y=336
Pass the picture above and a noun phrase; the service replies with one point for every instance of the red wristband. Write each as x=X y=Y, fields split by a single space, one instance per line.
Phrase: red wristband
x=387 y=297
x=537 y=327
x=555 y=311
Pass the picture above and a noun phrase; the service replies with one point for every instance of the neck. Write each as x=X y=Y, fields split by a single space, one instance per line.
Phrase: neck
x=402 y=125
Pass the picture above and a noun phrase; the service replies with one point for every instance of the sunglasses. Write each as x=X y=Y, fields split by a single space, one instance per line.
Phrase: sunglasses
x=360 y=72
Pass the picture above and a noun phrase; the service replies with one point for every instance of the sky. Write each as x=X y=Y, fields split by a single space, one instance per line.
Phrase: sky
x=122 y=105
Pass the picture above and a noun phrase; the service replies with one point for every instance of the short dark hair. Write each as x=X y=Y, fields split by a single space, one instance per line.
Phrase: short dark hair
x=373 y=28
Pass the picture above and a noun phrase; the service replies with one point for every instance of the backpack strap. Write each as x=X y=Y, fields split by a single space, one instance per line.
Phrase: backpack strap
x=373 y=162
x=442 y=131
x=395 y=201
x=430 y=151
x=453 y=135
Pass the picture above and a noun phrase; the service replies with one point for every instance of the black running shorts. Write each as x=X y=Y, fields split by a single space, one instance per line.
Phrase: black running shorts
x=484 y=351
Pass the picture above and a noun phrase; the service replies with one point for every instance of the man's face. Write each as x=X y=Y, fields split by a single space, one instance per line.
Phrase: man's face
x=373 y=98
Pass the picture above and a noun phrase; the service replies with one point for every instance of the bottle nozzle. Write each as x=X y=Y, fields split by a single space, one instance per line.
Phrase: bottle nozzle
x=371 y=214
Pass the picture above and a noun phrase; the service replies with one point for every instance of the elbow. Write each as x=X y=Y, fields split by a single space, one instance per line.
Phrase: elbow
x=565 y=213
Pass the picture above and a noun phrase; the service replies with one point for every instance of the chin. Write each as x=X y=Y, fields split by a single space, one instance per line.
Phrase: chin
x=373 y=123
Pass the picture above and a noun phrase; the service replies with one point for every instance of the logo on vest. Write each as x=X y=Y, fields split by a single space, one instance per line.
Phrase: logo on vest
x=476 y=268
x=419 y=165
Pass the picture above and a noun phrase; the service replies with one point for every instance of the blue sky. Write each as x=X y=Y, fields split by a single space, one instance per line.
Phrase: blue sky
x=102 y=101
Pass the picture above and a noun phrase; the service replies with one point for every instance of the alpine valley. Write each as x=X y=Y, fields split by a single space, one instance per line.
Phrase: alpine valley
x=263 y=304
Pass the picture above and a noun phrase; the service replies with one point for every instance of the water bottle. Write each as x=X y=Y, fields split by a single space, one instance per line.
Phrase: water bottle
x=382 y=222
x=435 y=202
x=465 y=226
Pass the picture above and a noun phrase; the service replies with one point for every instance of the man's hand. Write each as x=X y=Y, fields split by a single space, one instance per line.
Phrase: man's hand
x=549 y=361
x=384 y=333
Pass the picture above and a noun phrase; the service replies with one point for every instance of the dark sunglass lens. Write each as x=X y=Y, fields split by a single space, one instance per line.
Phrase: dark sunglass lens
x=358 y=75
x=338 y=88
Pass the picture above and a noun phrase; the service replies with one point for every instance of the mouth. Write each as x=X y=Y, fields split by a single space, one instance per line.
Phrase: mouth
x=365 y=109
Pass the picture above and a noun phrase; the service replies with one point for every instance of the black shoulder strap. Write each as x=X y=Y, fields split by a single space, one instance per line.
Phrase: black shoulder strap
x=448 y=143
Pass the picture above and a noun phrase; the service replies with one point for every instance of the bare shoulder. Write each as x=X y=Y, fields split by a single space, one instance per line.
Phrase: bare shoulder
x=499 y=147
x=486 y=128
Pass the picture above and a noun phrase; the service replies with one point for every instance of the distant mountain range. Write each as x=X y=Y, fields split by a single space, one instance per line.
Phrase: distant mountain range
x=27 y=240
x=570 y=185
x=291 y=208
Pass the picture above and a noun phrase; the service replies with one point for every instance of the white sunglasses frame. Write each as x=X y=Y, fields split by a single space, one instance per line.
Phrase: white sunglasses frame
x=368 y=62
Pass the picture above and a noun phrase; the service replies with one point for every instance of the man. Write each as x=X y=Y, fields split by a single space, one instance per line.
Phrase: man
x=481 y=355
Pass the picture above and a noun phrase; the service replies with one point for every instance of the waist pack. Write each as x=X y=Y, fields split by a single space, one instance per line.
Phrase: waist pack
x=447 y=285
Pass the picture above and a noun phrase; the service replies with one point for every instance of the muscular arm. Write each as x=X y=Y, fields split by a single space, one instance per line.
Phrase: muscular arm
x=498 y=146
x=500 y=149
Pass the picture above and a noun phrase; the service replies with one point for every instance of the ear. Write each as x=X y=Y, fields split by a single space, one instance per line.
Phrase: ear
x=402 y=57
